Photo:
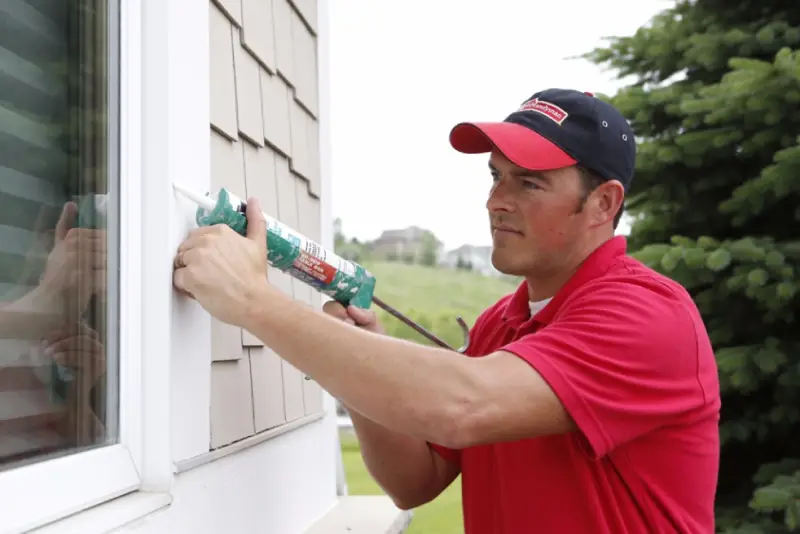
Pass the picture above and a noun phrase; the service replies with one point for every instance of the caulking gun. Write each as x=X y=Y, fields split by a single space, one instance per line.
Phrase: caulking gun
x=289 y=251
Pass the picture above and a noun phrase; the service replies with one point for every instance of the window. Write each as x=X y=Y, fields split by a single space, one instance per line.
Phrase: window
x=58 y=252
x=93 y=113
x=61 y=419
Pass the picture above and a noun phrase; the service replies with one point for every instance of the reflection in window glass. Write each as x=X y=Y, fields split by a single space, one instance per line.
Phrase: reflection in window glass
x=58 y=252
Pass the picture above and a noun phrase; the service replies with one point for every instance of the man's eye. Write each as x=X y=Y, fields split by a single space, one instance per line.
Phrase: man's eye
x=530 y=184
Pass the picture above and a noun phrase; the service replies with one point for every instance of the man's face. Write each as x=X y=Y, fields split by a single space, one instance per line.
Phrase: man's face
x=536 y=221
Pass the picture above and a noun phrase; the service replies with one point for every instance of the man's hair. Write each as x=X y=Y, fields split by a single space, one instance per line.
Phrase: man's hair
x=591 y=181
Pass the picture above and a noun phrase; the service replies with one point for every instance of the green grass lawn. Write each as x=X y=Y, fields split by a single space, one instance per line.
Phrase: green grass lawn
x=440 y=516
x=434 y=297
x=434 y=289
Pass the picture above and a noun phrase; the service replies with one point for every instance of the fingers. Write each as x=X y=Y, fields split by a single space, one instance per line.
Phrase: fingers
x=199 y=237
x=180 y=281
x=76 y=347
x=352 y=315
x=85 y=250
x=361 y=316
x=190 y=253
x=66 y=221
x=203 y=237
x=336 y=310
x=79 y=329
x=256 y=224
x=178 y=262
x=92 y=361
x=84 y=239
x=183 y=278
x=184 y=275
x=75 y=343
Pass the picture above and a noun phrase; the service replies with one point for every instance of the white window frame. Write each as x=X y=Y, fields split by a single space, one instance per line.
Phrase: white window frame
x=48 y=491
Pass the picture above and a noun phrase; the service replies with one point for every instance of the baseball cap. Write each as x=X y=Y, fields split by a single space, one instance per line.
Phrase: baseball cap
x=557 y=128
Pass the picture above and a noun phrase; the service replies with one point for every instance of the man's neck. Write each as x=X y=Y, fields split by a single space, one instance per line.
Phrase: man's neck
x=546 y=285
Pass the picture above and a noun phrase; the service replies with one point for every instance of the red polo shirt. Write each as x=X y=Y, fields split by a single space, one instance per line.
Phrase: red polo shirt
x=626 y=351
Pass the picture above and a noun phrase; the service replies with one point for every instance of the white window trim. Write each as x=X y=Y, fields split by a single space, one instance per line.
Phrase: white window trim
x=326 y=215
x=47 y=491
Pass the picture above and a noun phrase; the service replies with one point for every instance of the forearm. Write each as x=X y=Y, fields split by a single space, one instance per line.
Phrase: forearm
x=33 y=316
x=403 y=466
x=412 y=389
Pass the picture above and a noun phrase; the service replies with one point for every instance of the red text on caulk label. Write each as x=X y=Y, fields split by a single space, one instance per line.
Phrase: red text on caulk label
x=315 y=267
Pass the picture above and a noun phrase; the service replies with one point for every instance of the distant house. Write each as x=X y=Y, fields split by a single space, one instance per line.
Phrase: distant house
x=477 y=258
x=405 y=244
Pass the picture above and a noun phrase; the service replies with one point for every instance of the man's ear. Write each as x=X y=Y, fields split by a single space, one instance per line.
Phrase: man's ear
x=606 y=201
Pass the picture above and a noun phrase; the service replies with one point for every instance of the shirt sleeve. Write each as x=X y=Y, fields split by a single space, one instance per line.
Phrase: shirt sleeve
x=450 y=455
x=622 y=357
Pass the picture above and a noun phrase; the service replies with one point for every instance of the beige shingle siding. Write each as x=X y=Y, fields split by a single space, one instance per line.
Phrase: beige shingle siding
x=264 y=137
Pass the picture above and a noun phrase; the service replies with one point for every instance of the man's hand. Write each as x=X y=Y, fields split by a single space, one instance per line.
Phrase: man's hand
x=79 y=348
x=222 y=270
x=366 y=319
x=76 y=267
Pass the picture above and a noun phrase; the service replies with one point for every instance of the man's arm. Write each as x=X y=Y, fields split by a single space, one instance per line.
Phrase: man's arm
x=432 y=394
x=622 y=359
x=404 y=467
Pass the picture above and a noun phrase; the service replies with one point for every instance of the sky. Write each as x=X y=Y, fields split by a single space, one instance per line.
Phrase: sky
x=403 y=73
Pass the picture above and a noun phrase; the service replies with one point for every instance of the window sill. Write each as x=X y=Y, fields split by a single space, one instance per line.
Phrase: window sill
x=238 y=446
x=109 y=516
x=363 y=514
x=75 y=482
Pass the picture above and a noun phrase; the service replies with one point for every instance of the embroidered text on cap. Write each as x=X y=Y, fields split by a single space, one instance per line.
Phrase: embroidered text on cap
x=551 y=111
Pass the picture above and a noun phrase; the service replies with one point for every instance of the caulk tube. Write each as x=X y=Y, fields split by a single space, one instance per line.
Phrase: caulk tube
x=92 y=211
x=289 y=251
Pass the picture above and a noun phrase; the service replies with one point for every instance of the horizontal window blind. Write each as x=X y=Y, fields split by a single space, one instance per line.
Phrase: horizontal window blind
x=51 y=151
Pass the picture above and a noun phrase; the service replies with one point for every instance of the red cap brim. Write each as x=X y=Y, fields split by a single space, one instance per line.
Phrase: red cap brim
x=522 y=146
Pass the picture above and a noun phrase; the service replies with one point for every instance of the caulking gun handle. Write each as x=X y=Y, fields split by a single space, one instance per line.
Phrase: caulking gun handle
x=432 y=337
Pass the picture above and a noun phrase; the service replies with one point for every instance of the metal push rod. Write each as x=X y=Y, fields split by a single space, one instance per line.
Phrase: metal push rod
x=429 y=335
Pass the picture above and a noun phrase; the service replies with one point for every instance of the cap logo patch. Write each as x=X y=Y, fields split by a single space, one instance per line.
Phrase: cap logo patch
x=551 y=111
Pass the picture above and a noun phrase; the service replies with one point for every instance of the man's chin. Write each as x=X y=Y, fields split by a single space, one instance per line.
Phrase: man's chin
x=507 y=266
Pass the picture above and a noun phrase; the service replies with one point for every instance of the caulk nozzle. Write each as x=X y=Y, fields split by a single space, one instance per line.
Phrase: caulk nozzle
x=200 y=200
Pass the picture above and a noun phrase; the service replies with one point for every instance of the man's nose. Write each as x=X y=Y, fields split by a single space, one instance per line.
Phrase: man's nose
x=500 y=197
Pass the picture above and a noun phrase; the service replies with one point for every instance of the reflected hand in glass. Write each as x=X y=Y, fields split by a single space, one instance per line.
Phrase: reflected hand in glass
x=59 y=148
x=76 y=267
x=54 y=392
x=81 y=356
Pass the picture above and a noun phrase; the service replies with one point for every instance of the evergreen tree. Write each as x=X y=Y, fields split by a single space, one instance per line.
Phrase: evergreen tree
x=715 y=104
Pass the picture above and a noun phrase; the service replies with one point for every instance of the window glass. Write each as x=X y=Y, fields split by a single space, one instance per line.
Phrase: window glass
x=59 y=378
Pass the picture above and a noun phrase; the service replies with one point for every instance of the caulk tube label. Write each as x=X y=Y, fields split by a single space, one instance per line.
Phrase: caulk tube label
x=295 y=254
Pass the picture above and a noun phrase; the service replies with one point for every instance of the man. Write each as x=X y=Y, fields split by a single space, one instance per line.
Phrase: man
x=588 y=400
